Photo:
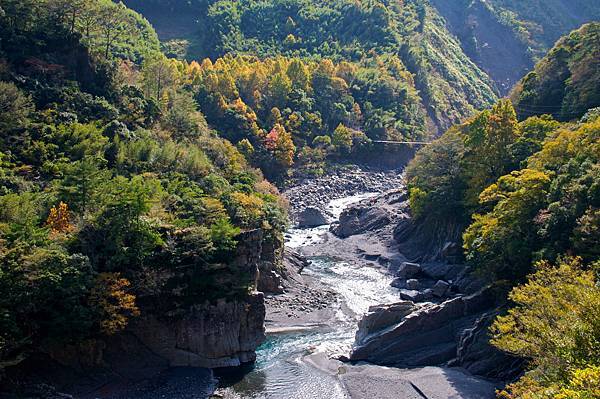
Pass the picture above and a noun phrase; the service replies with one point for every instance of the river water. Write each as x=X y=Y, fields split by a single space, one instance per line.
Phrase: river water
x=280 y=371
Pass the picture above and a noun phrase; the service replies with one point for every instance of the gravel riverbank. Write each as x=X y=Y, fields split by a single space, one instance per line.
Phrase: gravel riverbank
x=339 y=182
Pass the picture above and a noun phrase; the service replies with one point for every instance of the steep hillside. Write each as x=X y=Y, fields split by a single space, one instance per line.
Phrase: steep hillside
x=506 y=37
x=565 y=82
x=523 y=198
x=450 y=83
x=121 y=211
x=462 y=53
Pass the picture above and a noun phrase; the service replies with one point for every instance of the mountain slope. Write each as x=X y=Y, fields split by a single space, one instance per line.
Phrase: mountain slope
x=463 y=53
x=565 y=82
x=506 y=37
x=451 y=84
x=119 y=207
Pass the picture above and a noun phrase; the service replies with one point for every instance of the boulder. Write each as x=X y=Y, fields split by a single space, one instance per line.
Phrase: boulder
x=399 y=283
x=412 y=295
x=382 y=316
x=311 y=217
x=413 y=284
x=440 y=288
x=427 y=336
x=408 y=270
x=360 y=219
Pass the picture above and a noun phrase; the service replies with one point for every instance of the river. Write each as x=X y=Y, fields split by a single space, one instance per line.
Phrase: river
x=281 y=370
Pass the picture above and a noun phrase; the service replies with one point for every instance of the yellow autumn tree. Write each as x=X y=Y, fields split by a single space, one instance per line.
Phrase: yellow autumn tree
x=59 y=218
x=555 y=325
x=115 y=304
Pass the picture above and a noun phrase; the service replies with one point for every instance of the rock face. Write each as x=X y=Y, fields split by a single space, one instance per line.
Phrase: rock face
x=271 y=273
x=477 y=356
x=358 y=219
x=311 y=217
x=276 y=276
x=221 y=335
x=427 y=336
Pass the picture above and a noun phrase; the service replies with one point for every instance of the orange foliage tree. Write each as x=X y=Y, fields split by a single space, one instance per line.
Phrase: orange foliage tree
x=114 y=303
x=59 y=218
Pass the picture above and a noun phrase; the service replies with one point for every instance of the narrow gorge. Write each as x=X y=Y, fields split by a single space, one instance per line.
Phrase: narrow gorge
x=299 y=199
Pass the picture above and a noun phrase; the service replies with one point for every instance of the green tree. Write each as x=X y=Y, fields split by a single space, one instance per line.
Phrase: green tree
x=43 y=300
x=15 y=109
x=488 y=138
x=122 y=239
x=82 y=184
x=182 y=117
x=159 y=74
x=299 y=75
x=556 y=325
x=501 y=242
x=342 y=139
x=436 y=181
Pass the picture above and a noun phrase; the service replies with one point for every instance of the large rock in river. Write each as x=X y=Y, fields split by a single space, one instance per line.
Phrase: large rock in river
x=427 y=336
x=360 y=219
x=380 y=317
x=311 y=217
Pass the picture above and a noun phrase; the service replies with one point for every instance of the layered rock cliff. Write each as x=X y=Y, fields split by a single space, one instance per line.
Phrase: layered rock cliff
x=221 y=333
x=224 y=334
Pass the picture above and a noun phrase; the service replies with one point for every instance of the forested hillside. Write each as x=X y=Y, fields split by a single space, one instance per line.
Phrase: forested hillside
x=565 y=82
x=506 y=38
x=451 y=86
x=462 y=53
x=525 y=197
x=117 y=200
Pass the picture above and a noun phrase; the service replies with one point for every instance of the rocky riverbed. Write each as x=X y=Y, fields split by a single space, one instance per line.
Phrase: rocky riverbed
x=349 y=271
x=336 y=183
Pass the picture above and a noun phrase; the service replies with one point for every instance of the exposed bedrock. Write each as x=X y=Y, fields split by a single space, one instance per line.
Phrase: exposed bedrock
x=271 y=270
x=357 y=220
x=370 y=215
x=428 y=335
x=451 y=333
x=446 y=311
x=224 y=334
x=475 y=354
